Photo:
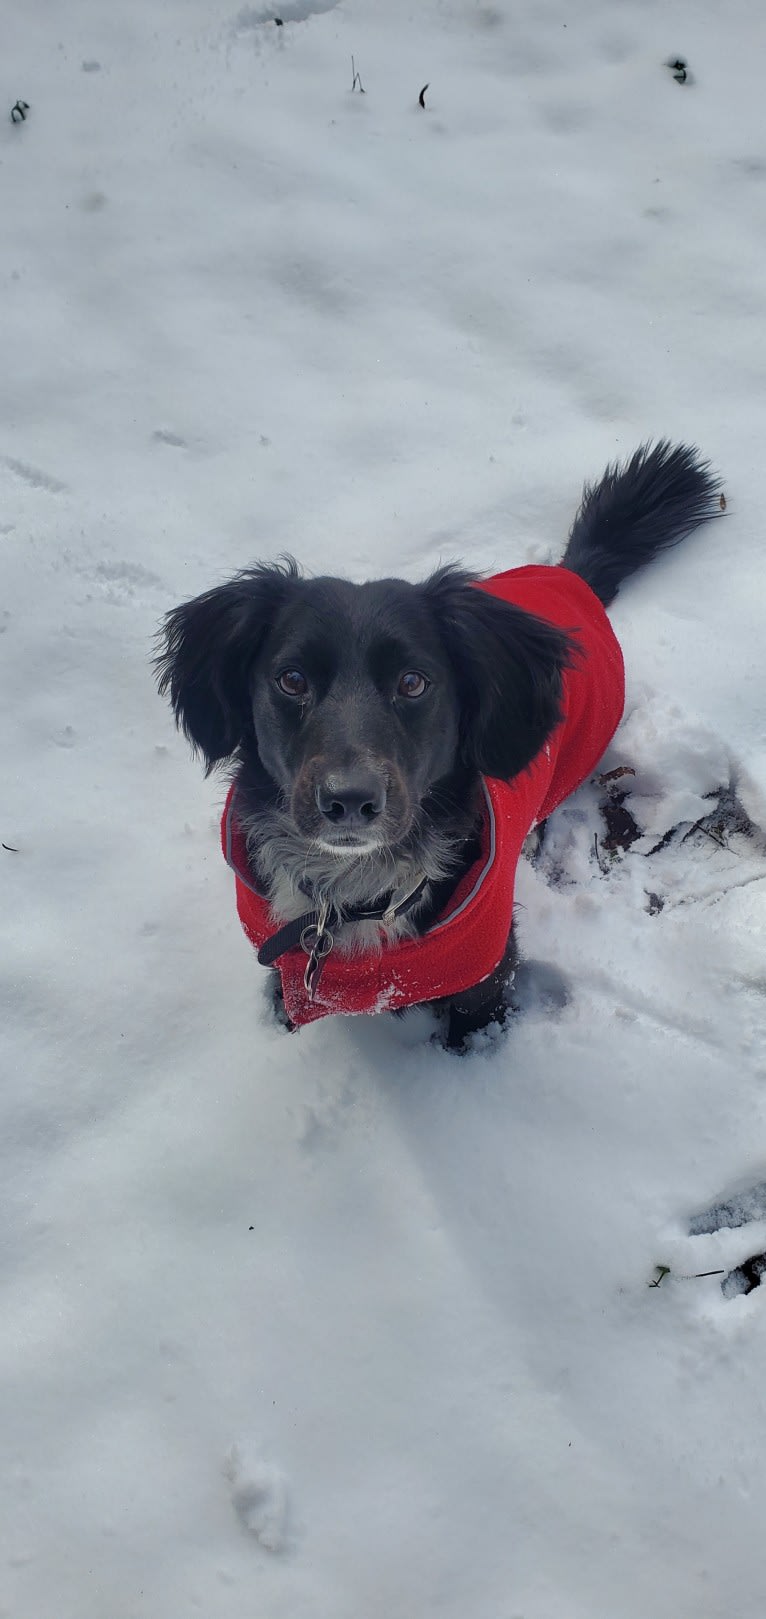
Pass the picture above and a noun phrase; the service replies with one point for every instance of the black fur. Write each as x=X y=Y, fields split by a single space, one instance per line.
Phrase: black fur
x=208 y=647
x=359 y=782
x=509 y=667
x=637 y=510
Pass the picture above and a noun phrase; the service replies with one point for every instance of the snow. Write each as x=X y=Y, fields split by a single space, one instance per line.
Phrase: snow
x=335 y=1325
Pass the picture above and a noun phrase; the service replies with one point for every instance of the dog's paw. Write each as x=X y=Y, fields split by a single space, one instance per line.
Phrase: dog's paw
x=283 y=1022
x=461 y=1036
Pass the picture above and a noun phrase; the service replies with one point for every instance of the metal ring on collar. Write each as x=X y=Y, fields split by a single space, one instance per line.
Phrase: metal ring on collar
x=320 y=945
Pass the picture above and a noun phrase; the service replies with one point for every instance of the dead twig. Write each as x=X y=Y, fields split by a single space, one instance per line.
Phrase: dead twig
x=700 y=827
x=614 y=775
x=682 y=1276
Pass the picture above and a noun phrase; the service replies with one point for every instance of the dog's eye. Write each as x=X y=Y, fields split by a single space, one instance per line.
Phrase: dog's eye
x=412 y=684
x=292 y=683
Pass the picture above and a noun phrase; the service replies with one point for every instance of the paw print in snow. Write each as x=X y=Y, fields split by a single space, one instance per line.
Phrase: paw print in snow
x=259 y=1498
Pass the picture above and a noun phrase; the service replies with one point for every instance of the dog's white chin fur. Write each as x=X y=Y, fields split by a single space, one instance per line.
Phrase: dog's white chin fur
x=348 y=850
x=347 y=875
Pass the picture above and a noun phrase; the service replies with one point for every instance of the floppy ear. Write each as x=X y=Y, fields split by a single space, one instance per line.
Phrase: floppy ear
x=510 y=666
x=207 y=650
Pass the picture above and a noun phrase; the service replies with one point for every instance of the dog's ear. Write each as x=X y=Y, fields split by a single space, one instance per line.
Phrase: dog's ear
x=510 y=667
x=207 y=648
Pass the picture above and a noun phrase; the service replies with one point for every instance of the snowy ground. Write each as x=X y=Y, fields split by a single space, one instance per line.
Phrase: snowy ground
x=337 y=1326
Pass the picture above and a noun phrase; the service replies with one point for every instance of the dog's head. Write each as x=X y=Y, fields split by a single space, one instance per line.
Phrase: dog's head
x=358 y=703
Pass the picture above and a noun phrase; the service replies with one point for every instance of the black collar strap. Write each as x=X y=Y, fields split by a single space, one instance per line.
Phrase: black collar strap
x=303 y=928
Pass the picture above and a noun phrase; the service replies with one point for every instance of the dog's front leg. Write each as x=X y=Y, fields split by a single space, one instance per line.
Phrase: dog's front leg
x=278 y=1001
x=482 y=1004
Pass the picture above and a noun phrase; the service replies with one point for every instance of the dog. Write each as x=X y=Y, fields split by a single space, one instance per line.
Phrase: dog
x=392 y=744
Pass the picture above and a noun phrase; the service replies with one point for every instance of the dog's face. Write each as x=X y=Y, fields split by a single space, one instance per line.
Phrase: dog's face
x=355 y=710
x=361 y=704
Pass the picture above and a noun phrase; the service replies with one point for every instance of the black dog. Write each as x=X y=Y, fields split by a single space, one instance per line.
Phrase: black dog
x=361 y=722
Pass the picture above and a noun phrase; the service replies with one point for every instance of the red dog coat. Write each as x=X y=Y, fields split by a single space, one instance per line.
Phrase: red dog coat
x=467 y=942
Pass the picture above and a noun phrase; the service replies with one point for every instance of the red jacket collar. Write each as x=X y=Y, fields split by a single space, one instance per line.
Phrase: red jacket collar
x=475 y=921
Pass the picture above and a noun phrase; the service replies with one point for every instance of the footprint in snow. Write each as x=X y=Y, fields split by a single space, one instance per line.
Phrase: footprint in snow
x=729 y=1213
x=259 y=1497
x=747 y=1204
x=163 y=435
x=36 y=477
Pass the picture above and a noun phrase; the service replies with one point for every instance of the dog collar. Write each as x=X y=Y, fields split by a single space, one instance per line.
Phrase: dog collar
x=315 y=930
x=328 y=919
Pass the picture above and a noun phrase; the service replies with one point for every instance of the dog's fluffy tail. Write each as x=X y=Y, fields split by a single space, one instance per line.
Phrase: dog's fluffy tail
x=637 y=510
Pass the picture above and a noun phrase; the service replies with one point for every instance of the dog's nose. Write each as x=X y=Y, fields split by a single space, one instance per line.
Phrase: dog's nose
x=353 y=800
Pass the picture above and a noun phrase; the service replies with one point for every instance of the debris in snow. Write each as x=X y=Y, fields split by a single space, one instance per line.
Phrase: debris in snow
x=682 y=1276
x=621 y=826
x=19 y=112
x=727 y=817
x=617 y=774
